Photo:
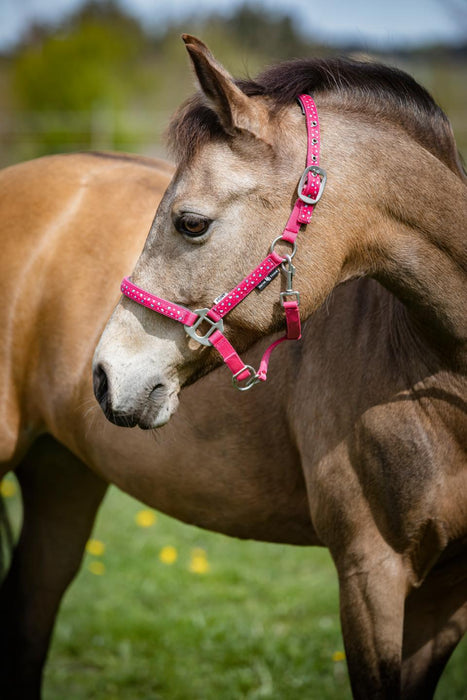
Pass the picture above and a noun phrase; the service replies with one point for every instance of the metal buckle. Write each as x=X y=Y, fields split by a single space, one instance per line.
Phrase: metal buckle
x=290 y=293
x=249 y=382
x=215 y=325
x=317 y=171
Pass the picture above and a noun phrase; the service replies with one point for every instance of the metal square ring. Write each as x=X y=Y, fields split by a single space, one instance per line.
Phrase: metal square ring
x=215 y=325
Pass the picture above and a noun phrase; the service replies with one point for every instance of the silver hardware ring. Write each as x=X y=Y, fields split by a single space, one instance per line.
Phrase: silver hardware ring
x=287 y=257
x=249 y=382
x=215 y=325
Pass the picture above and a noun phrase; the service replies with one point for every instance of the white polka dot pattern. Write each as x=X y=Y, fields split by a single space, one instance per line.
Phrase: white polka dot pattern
x=238 y=293
x=312 y=187
x=166 y=308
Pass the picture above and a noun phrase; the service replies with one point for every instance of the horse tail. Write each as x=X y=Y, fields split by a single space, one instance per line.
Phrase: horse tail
x=7 y=539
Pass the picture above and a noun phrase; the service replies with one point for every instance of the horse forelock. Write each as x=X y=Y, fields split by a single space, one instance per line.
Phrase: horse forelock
x=372 y=88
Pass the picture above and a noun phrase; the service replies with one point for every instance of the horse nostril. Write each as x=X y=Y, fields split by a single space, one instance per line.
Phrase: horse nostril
x=158 y=393
x=101 y=386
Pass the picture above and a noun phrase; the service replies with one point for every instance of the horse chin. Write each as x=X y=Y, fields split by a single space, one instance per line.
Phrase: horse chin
x=149 y=418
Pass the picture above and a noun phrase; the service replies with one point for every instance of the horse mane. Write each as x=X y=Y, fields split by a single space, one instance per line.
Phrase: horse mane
x=370 y=88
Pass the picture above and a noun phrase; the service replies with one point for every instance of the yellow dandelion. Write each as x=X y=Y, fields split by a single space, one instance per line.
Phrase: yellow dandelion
x=7 y=488
x=95 y=547
x=97 y=568
x=198 y=562
x=338 y=656
x=168 y=554
x=145 y=518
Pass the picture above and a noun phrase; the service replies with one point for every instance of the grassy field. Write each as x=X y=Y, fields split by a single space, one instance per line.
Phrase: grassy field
x=164 y=611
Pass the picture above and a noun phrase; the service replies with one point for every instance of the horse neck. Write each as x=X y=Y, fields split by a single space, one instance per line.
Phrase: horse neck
x=423 y=253
x=401 y=222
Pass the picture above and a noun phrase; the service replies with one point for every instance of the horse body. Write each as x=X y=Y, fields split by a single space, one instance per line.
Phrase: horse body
x=362 y=445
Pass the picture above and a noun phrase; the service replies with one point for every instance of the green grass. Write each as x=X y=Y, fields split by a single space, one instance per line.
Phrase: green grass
x=262 y=622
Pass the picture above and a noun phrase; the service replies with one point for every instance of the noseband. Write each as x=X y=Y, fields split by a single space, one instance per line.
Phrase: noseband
x=310 y=189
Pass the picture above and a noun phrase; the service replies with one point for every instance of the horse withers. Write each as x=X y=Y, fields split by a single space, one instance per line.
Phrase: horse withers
x=379 y=420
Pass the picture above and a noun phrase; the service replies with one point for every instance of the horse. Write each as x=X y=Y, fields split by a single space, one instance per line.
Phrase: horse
x=65 y=247
x=378 y=399
x=72 y=226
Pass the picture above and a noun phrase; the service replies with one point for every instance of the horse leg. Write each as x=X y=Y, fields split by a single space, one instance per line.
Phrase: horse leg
x=372 y=591
x=373 y=580
x=435 y=621
x=60 y=500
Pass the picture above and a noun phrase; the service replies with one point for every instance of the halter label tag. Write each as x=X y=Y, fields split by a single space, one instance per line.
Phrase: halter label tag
x=267 y=280
x=220 y=297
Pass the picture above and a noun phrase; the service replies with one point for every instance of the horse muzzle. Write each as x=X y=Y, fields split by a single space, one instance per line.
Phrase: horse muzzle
x=129 y=402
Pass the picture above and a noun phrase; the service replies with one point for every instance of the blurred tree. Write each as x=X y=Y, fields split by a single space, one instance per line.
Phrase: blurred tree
x=269 y=34
x=70 y=84
x=89 y=60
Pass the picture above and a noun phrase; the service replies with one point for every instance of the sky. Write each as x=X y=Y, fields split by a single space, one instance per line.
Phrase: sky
x=381 y=22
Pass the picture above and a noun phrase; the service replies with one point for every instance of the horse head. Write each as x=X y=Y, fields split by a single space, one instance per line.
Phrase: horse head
x=241 y=149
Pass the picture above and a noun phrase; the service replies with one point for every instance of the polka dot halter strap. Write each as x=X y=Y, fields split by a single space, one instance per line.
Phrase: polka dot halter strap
x=310 y=189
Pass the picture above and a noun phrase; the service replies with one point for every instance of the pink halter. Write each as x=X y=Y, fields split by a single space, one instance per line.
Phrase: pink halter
x=310 y=189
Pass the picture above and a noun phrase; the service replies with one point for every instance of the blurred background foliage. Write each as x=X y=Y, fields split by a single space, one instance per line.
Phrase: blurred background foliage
x=101 y=80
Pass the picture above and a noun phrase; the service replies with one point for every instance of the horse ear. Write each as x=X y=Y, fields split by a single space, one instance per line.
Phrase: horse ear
x=234 y=109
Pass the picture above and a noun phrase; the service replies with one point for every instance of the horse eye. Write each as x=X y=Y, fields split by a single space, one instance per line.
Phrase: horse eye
x=192 y=225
